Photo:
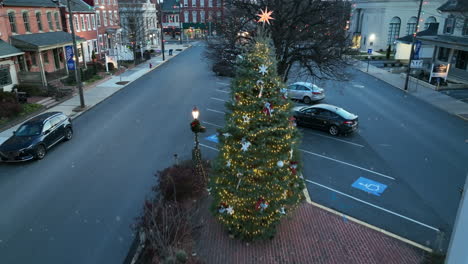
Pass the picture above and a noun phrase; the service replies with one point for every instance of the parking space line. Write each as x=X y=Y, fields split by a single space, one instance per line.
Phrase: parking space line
x=216 y=111
x=222 y=83
x=218 y=99
x=375 y=206
x=344 y=141
x=221 y=91
x=346 y=163
x=211 y=124
x=206 y=146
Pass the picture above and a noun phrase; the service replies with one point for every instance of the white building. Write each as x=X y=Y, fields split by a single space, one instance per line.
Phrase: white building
x=376 y=24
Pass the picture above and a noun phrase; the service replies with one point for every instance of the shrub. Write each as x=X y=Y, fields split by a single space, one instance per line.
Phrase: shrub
x=9 y=107
x=181 y=256
x=31 y=90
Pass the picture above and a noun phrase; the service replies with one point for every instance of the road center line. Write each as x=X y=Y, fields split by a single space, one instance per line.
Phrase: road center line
x=203 y=145
x=221 y=91
x=216 y=111
x=346 y=163
x=373 y=205
x=211 y=124
x=218 y=99
x=345 y=141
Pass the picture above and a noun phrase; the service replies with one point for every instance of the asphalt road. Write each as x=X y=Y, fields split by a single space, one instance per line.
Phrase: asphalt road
x=78 y=204
x=416 y=150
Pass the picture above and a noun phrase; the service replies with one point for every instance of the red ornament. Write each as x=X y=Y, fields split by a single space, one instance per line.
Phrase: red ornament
x=293 y=167
x=268 y=109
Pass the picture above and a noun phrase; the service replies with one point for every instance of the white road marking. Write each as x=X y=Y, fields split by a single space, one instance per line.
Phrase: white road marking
x=218 y=99
x=345 y=141
x=346 y=163
x=359 y=86
x=203 y=145
x=373 y=205
x=216 y=111
x=211 y=124
x=222 y=91
x=222 y=83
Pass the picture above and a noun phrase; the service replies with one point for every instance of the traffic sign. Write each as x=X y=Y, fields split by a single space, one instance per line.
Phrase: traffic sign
x=369 y=51
x=369 y=186
x=213 y=138
x=416 y=64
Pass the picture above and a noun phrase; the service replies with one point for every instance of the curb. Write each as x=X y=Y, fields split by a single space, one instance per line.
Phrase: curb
x=357 y=221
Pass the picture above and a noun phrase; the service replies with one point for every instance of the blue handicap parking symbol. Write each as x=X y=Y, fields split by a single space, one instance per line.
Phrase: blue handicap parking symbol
x=213 y=138
x=370 y=186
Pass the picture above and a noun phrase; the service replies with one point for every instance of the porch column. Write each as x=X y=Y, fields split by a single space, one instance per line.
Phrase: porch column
x=41 y=65
x=83 y=56
x=65 y=60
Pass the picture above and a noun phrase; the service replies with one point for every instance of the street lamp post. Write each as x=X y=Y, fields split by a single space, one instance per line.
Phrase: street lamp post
x=180 y=22
x=196 y=127
x=161 y=29
x=412 y=46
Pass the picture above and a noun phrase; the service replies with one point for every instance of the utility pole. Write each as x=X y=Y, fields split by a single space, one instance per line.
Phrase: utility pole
x=180 y=22
x=161 y=28
x=412 y=45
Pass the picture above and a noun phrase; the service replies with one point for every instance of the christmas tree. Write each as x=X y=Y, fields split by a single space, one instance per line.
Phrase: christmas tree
x=256 y=179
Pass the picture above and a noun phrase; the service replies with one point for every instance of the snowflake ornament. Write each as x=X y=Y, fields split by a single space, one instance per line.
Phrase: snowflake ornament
x=263 y=69
x=230 y=210
x=246 y=118
x=245 y=145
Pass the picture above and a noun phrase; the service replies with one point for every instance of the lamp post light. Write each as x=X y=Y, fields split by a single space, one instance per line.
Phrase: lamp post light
x=196 y=128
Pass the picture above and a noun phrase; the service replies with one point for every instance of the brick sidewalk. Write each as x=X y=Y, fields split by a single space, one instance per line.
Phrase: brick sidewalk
x=311 y=235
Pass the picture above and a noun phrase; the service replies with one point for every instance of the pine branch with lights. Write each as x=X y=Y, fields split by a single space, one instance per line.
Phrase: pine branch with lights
x=256 y=180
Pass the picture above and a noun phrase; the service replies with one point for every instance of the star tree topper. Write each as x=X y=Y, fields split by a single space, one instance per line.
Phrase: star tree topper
x=265 y=16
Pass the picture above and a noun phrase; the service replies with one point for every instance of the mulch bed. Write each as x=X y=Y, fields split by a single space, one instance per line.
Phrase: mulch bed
x=310 y=235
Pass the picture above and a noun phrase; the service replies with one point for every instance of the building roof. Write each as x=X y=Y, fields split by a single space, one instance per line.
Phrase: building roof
x=7 y=50
x=459 y=43
x=32 y=3
x=430 y=31
x=41 y=41
x=78 y=6
x=454 y=6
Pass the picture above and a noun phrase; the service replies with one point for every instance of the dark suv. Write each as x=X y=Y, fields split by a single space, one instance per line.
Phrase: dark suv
x=36 y=136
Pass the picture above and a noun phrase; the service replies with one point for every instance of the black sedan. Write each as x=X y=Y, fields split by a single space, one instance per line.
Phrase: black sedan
x=33 y=138
x=326 y=117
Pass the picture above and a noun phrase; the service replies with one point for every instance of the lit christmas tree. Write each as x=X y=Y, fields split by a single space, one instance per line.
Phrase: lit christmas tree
x=256 y=179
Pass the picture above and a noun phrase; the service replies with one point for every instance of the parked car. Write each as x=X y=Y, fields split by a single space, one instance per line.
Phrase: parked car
x=223 y=69
x=34 y=137
x=307 y=92
x=326 y=117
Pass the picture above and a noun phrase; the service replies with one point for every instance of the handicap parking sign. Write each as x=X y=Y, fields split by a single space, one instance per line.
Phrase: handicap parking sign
x=369 y=186
x=213 y=138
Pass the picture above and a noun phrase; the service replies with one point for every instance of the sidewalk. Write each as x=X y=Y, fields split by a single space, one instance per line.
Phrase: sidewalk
x=437 y=99
x=95 y=95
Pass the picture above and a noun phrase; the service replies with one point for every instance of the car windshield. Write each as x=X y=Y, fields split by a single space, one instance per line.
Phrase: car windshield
x=27 y=130
x=345 y=114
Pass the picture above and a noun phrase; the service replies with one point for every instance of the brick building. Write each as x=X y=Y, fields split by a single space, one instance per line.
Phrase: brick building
x=198 y=15
x=33 y=43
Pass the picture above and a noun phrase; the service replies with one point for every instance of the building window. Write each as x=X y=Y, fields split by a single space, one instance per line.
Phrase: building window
x=449 y=25
x=411 y=26
x=33 y=58
x=443 y=54
x=465 y=28
x=12 y=19
x=39 y=21
x=430 y=20
x=186 y=19
x=83 y=24
x=210 y=15
x=93 y=21
x=88 y=22
x=462 y=60
x=49 y=21
x=111 y=20
x=393 y=30
x=210 y=3
x=218 y=3
x=57 y=21
x=194 y=16
x=194 y=3
x=77 y=23
x=185 y=3
x=5 y=78
x=27 y=27
x=218 y=14
x=202 y=3
x=202 y=16
x=104 y=17
x=116 y=18
x=45 y=56
x=98 y=18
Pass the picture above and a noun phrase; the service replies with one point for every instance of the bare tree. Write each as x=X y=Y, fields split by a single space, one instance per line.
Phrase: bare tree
x=308 y=33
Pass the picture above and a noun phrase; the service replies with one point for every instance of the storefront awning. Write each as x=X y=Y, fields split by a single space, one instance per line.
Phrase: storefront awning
x=453 y=42
x=7 y=50
x=43 y=41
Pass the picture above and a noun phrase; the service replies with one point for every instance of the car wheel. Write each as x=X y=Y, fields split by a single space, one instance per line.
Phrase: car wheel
x=40 y=152
x=68 y=134
x=333 y=130
x=307 y=100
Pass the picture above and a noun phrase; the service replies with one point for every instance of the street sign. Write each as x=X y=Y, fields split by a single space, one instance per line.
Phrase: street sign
x=69 y=57
x=213 y=138
x=369 y=186
x=416 y=50
x=416 y=64
x=369 y=51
